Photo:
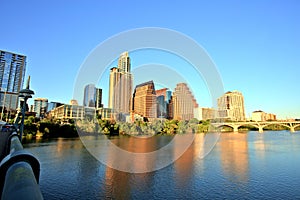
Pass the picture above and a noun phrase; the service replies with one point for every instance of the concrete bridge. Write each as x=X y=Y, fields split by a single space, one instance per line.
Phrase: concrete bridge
x=259 y=125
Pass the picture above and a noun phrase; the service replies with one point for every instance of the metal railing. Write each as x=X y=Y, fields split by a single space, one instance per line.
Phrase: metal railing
x=19 y=172
x=19 y=169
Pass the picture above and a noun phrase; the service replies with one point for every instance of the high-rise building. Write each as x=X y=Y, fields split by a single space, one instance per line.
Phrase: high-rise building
x=231 y=106
x=144 y=100
x=183 y=102
x=40 y=107
x=92 y=96
x=98 y=98
x=12 y=72
x=89 y=98
x=163 y=96
x=120 y=86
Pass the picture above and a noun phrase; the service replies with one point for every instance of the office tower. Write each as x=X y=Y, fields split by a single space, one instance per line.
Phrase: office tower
x=184 y=102
x=120 y=86
x=92 y=96
x=40 y=107
x=89 y=98
x=231 y=106
x=12 y=72
x=144 y=100
x=163 y=96
x=98 y=98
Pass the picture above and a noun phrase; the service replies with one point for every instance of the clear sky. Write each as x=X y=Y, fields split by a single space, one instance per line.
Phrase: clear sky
x=254 y=44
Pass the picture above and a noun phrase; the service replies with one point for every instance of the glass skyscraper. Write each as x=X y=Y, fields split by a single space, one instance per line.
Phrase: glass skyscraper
x=12 y=72
x=92 y=96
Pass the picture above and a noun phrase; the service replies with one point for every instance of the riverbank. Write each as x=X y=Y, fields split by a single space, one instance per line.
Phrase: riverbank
x=55 y=128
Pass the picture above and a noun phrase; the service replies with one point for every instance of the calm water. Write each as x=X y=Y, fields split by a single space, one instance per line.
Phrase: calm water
x=240 y=166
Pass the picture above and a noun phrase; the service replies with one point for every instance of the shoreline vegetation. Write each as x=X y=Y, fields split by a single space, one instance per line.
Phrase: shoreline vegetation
x=51 y=128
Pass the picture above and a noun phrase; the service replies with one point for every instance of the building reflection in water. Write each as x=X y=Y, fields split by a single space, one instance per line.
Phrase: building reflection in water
x=118 y=182
x=234 y=156
x=260 y=146
x=184 y=165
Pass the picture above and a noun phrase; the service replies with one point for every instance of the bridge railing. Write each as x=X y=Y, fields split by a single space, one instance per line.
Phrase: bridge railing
x=19 y=171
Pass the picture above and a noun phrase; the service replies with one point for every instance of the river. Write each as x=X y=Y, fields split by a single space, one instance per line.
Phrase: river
x=248 y=165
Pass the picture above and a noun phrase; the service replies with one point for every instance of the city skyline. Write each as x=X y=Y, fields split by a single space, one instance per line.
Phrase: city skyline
x=255 y=45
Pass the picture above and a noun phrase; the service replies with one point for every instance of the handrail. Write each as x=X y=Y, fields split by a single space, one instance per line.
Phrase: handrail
x=19 y=172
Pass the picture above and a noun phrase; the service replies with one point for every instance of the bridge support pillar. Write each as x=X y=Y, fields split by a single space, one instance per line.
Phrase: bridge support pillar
x=260 y=129
x=292 y=129
x=235 y=129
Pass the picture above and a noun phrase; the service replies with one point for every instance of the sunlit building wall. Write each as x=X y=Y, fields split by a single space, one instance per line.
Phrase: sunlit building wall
x=120 y=86
x=144 y=100
x=184 y=102
x=231 y=106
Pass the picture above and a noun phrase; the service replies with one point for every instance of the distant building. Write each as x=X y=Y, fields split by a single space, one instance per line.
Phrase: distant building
x=163 y=96
x=120 y=86
x=231 y=106
x=53 y=105
x=40 y=107
x=74 y=102
x=205 y=113
x=66 y=112
x=183 y=102
x=98 y=98
x=262 y=116
x=144 y=100
x=105 y=113
x=12 y=72
x=92 y=96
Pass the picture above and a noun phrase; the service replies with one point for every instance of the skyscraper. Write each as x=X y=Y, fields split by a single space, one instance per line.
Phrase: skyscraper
x=92 y=96
x=98 y=98
x=144 y=100
x=12 y=72
x=231 y=106
x=40 y=107
x=183 y=102
x=120 y=86
x=163 y=97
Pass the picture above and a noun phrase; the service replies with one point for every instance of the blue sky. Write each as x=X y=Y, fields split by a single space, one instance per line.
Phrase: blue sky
x=254 y=44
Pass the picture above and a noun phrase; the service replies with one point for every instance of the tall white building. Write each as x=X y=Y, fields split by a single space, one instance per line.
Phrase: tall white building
x=231 y=106
x=120 y=86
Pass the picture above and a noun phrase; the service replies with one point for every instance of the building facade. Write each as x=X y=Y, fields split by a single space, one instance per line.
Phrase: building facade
x=12 y=72
x=183 y=102
x=144 y=100
x=262 y=116
x=40 y=107
x=92 y=96
x=201 y=113
x=52 y=105
x=163 y=97
x=75 y=112
x=231 y=106
x=120 y=86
